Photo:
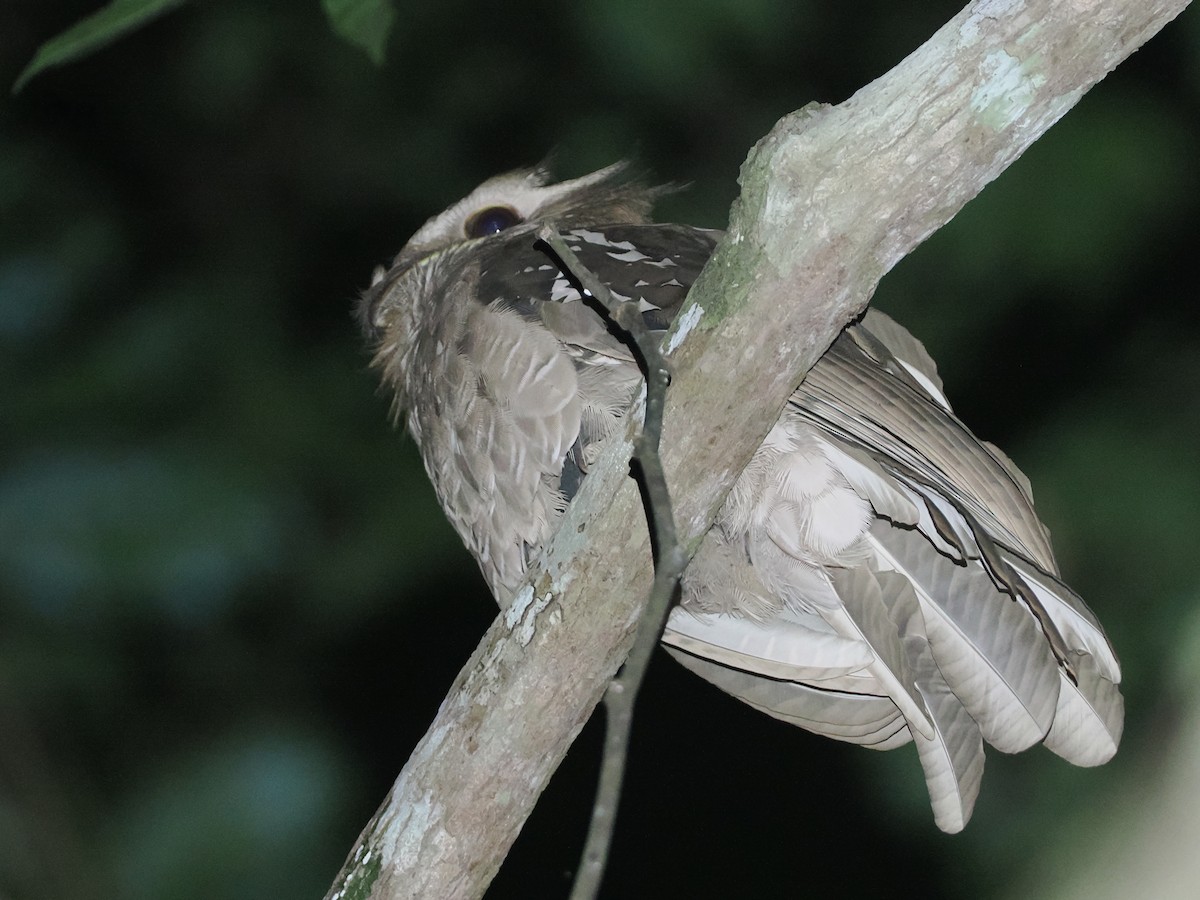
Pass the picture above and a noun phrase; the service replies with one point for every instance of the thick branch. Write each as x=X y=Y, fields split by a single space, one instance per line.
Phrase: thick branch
x=831 y=200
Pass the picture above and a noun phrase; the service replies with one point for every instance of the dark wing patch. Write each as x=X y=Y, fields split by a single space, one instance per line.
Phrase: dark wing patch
x=652 y=265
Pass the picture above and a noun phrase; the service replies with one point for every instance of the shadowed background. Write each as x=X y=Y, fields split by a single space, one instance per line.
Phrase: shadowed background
x=229 y=603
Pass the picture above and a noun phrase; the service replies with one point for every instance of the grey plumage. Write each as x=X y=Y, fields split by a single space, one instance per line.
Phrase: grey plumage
x=877 y=575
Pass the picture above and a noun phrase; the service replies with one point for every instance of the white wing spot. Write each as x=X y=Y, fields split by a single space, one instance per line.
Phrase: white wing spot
x=631 y=256
x=562 y=290
x=599 y=239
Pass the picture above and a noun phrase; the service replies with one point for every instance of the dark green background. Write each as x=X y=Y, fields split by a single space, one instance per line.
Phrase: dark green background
x=229 y=604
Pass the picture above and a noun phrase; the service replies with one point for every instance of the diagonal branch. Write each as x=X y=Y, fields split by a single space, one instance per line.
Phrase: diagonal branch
x=831 y=199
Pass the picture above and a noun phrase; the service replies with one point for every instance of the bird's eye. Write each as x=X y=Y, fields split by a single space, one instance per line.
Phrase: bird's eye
x=492 y=220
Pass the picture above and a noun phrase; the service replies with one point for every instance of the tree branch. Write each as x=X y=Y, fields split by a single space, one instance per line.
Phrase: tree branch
x=670 y=560
x=831 y=199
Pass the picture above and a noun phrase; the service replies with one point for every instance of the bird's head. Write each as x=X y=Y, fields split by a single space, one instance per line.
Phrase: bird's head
x=521 y=199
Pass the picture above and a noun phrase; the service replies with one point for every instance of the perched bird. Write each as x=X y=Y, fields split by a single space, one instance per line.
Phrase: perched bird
x=877 y=575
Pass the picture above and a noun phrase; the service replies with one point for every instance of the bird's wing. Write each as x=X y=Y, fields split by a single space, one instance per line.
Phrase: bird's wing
x=856 y=393
x=523 y=378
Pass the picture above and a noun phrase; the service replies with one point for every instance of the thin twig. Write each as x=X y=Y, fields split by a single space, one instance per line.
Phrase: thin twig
x=670 y=561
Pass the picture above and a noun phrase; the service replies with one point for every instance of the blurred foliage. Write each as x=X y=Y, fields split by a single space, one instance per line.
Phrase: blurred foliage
x=229 y=604
x=93 y=32
x=365 y=23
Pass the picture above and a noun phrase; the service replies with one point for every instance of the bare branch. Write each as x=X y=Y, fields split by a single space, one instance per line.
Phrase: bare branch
x=831 y=200
x=670 y=560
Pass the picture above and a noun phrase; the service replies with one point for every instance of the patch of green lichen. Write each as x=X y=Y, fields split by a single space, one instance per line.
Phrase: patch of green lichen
x=361 y=878
x=727 y=281
x=725 y=284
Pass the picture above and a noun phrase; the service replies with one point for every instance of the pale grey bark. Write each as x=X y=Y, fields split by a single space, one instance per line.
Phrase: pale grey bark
x=831 y=199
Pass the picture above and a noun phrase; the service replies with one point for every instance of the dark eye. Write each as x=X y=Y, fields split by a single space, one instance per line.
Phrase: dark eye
x=492 y=220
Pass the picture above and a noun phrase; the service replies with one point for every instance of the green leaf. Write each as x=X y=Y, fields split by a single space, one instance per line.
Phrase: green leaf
x=87 y=35
x=364 y=23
